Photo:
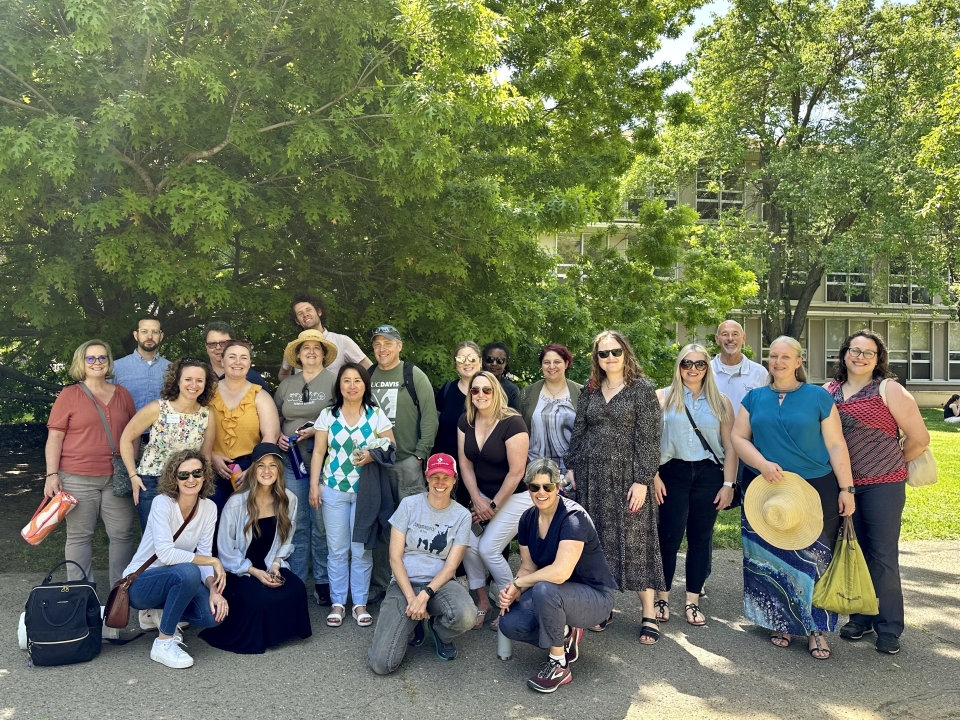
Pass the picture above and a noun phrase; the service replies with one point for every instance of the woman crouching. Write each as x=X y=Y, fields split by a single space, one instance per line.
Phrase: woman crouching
x=255 y=539
x=564 y=583
x=185 y=581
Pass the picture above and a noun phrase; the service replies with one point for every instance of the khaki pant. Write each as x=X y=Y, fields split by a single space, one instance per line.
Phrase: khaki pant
x=95 y=497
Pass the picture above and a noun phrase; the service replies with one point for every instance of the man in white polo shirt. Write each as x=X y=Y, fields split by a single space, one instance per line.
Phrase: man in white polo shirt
x=735 y=373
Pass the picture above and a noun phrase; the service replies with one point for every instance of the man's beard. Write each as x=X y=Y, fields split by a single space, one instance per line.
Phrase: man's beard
x=143 y=347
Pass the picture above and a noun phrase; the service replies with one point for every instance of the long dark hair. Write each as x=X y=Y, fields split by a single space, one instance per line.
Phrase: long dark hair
x=882 y=370
x=171 y=380
x=631 y=368
x=366 y=402
x=951 y=400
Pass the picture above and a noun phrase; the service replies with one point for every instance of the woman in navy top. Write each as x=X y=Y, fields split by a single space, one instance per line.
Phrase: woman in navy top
x=792 y=426
x=564 y=583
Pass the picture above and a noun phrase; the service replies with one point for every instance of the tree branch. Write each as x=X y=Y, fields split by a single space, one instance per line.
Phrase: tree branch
x=23 y=106
x=30 y=398
x=146 y=65
x=7 y=371
x=151 y=189
x=29 y=87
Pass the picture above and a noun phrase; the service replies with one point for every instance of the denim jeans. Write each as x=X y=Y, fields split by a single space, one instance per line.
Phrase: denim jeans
x=178 y=590
x=688 y=507
x=486 y=552
x=310 y=536
x=451 y=606
x=146 y=498
x=539 y=616
x=349 y=564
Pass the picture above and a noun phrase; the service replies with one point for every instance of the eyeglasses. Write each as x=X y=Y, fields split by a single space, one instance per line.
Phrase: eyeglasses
x=537 y=487
x=94 y=359
x=856 y=352
x=464 y=359
x=486 y=390
x=698 y=364
x=217 y=344
x=604 y=354
x=490 y=360
x=184 y=474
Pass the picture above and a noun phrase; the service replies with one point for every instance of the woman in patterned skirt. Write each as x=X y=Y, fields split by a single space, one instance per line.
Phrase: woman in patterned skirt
x=874 y=411
x=793 y=426
x=613 y=457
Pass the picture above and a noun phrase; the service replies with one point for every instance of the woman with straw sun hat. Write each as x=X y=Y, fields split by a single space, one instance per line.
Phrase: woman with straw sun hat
x=789 y=433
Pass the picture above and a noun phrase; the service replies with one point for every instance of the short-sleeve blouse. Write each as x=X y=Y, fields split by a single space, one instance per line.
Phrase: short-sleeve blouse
x=339 y=472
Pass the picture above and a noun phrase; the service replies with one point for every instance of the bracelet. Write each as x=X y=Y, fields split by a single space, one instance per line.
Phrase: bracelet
x=729 y=484
x=514 y=583
x=55 y=472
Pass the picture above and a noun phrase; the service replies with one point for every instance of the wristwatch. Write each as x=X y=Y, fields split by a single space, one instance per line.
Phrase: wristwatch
x=848 y=489
x=730 y=484
x=493 y=505
x=429 y=591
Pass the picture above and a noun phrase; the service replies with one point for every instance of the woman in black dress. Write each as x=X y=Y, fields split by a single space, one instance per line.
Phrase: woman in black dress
x=452 y=403
x=614 y=455
x=268 y=602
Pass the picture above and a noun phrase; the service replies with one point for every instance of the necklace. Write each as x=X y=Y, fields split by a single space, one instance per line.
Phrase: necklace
x=781 y=394
x=556 y=394
x=613 y=387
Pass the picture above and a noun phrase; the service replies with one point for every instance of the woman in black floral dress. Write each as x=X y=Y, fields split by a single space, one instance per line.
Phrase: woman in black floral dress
x=614 y=454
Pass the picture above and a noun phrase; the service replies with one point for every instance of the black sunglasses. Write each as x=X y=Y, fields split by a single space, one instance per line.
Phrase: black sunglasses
x=305 y=395
x=184 y=474
x=546 y=487
x=698 y=364
x=607 y=353
x=489 y=360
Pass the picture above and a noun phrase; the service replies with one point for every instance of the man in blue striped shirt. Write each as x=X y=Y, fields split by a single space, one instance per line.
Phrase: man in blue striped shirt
x=141 y=372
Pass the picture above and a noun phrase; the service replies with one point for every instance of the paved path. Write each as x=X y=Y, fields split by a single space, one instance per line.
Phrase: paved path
x=727 y=669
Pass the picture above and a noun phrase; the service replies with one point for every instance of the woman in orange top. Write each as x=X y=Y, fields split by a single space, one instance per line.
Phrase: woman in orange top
x=244 y=416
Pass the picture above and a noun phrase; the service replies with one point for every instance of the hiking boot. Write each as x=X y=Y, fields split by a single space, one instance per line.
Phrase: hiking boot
x=550 y=677
x=854 y=630
x=445 y=650
x=168 y=652
x=571 y=645
x=888 y=643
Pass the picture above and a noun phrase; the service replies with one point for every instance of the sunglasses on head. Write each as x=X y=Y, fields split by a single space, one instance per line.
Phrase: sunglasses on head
x=607 y=353
x=698 y=364
x=546 y=487
x=92 y=359
x=486 y=390
x=490 y=360
x=184 y=474
x=464 y=359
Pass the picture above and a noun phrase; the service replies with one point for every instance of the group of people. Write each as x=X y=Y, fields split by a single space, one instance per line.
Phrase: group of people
x=360 y=475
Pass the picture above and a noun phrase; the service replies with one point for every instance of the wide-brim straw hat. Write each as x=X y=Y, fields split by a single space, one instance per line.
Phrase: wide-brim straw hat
x=290 y=354
x=787 y=514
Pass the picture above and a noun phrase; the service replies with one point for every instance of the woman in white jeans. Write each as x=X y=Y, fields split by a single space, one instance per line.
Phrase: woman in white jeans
x=493 y=443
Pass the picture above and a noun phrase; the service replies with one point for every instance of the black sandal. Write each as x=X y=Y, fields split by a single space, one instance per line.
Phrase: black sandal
x=817 y=648
x=662 y=607
x=650 y=632
x=695 y=609
x=603 y=625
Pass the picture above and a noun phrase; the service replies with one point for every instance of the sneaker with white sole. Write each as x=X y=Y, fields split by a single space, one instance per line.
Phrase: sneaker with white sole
x=168 y=652
x=551 y=676
x=150 y=620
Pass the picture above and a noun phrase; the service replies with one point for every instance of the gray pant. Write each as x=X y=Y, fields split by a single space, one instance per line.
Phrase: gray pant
x=452 y=608
x=95 y=497
x=406 y=478
x=542 y=612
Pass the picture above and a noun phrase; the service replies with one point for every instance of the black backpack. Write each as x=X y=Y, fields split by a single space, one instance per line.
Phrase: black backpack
x=63 y=621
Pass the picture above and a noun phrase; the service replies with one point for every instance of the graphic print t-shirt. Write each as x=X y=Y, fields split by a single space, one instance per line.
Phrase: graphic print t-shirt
x=430 y=533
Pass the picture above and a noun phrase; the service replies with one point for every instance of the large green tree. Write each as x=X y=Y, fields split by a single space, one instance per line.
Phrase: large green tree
x=205 y=159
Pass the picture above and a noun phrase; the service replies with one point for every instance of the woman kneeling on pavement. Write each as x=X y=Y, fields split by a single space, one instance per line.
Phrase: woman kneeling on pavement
x=255 y=540
x=564 y=583
x=428 y=540
x=185 y=582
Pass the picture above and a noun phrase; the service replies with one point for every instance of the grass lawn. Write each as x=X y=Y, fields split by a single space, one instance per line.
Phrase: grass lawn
x=932 y=512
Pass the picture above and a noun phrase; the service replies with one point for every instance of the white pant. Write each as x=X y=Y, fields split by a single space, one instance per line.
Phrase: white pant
x=485 y=552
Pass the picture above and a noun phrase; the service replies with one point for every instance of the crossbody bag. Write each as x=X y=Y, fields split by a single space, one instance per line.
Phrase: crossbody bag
x=122 y=487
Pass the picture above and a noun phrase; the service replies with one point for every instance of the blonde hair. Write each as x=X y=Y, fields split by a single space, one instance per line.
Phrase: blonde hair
x=498 y=399
x=78 y=366
x=715 y=399
x=795 y=345
x=631 y=368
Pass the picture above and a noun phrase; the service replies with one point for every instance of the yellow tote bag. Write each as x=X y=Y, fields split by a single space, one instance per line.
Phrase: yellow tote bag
x=846 y=586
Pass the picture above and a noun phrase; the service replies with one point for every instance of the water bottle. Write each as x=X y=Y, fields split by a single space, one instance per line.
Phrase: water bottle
x=504 y=646
x=296 y=460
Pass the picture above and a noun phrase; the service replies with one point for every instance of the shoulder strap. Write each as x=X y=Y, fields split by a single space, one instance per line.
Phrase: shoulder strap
x=883 y=391
x=703 y=440
x=129 y=579
x=103 y=418
x=408 y=384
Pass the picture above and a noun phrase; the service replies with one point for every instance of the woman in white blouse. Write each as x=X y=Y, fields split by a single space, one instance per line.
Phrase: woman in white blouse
x=185 y=582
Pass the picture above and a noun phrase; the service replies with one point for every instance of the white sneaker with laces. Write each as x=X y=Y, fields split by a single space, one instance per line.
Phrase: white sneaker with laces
x=168 y=652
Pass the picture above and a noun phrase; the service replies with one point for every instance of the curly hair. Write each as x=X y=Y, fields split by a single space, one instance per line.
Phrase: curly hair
x=171 y=380
x=167 y=484
x=319 y=304
x=882 y=370
x=631 y=368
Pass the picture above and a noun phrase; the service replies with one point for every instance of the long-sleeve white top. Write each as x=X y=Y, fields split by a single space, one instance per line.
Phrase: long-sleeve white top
x=233 y=542
x=165 y=519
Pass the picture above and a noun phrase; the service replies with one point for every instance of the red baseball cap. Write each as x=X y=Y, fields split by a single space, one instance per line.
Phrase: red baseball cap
x=441 y=463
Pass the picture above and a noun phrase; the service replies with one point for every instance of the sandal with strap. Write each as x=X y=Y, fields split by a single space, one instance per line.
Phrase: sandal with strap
x=604 y=625
x=780 y=640
x=650 y=632
x=481 y=618
x=335 y=618
x=364 y=619
x=663 y=610
x=694 y=610
x=819 y=647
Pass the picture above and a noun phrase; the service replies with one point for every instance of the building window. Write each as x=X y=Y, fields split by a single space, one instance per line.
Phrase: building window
x=898 y=342
x=836 y=334
x=718 y=194
x=903 y=291
x=920 y=351
x=953 y=345
x=848 y=286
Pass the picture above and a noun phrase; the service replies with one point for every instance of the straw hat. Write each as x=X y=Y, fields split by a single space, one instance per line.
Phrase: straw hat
x=293 y=348
x=787 y=514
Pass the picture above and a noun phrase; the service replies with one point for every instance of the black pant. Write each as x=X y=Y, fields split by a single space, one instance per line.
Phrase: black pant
x=688 y=506
x=877 y=522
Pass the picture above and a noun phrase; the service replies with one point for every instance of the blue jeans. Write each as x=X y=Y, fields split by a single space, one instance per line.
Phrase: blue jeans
x=349 y=564
x=179 y=591
x=310 y=535
x=146 y=498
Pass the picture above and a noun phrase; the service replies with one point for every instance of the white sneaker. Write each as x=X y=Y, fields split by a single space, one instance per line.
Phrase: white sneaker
x=110 y=633
x=168 y=652
x=150 y=620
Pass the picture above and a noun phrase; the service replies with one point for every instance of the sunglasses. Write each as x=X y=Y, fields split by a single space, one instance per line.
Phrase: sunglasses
x=486 y=390
x=94 y=359
x=184 y=474
x=698 y=364
x=305 y=395
x=607 y=353
x=494 y=360
x=464 y=359
x=537 y=487
x=218 y=344
x=856 y=352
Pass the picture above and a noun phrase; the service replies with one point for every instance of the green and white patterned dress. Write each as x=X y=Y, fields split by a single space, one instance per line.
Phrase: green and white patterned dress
x=339 y=472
